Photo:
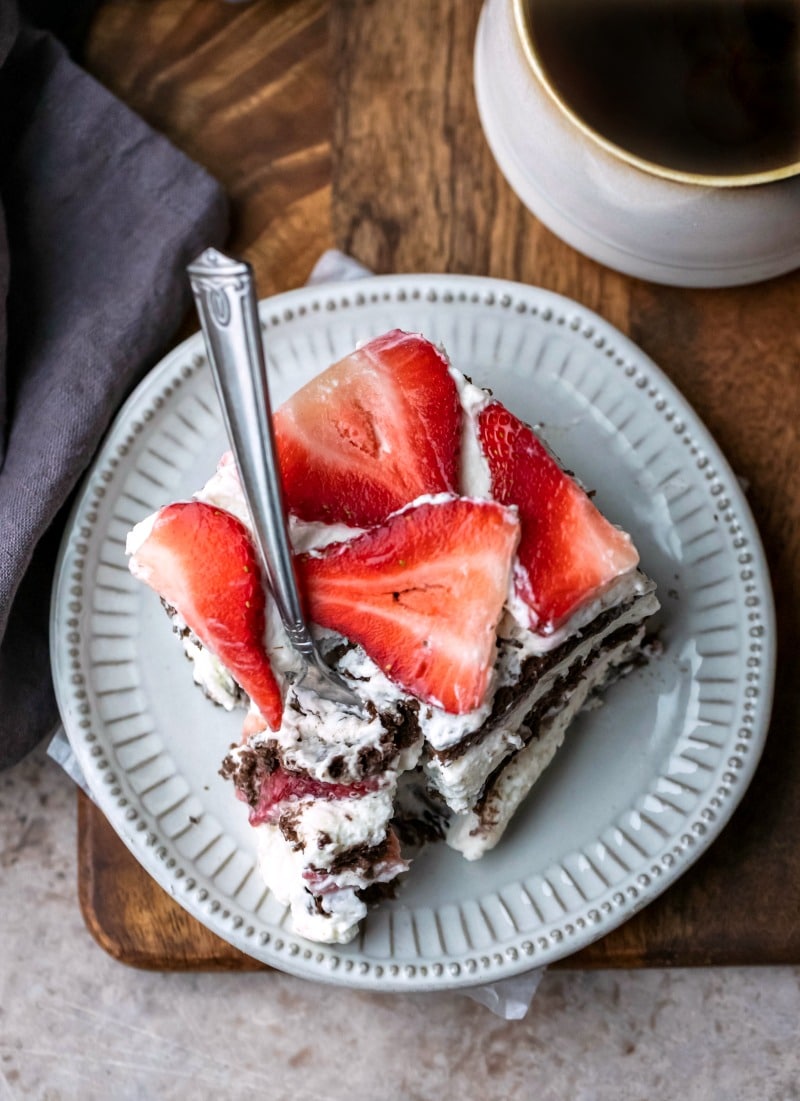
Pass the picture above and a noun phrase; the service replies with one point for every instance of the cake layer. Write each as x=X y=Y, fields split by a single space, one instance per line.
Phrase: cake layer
x=460 y=772
x=328 y=745
x=333 y=920
x=477 y=831
x=208 y=671
x=338 y=747
x=321 y=854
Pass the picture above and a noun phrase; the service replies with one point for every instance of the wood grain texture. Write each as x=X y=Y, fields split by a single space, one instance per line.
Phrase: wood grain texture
x=375 y=144
x=415 y=186
x=245 y=91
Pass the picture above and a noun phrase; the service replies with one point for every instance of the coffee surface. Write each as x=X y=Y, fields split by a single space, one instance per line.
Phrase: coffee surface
x=709 y=87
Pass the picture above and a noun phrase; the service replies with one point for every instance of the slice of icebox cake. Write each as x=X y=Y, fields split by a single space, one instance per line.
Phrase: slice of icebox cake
x=465 y=585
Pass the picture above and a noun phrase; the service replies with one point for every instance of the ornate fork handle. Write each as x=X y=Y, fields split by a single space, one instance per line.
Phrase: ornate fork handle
x=224 y=291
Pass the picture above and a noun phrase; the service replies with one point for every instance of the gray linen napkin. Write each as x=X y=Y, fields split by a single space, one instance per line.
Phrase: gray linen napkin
x=101 y=216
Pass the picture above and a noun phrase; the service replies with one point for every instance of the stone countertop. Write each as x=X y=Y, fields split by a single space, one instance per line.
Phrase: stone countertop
x=76 y=1024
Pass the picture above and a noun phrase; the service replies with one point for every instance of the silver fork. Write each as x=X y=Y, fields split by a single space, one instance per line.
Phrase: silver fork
x=224 y=291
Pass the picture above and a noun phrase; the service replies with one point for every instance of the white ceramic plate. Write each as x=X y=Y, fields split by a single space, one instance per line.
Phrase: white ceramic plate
x=643 y=784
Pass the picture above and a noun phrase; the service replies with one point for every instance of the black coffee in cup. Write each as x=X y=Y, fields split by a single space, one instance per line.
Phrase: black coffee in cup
x=704 y=87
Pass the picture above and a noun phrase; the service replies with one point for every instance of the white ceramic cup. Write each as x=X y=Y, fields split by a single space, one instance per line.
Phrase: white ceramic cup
x=637 y=221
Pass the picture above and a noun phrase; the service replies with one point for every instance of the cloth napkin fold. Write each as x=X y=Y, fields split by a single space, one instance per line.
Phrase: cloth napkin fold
x=100 y=215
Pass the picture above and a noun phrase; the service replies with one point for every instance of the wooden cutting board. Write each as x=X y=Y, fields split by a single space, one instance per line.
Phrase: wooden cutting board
x=353 y=123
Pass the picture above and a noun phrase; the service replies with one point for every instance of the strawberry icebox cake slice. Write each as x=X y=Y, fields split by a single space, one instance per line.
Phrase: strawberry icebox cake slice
x=463 y=583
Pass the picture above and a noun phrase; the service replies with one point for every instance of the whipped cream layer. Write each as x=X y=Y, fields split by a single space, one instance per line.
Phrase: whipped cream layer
x=335 y=922
x=476 y=480
x=460 y=778
x=478 y=830
x=321 y=852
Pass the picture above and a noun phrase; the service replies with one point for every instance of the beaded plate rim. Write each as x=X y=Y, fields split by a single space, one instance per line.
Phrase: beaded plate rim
x=555 y=939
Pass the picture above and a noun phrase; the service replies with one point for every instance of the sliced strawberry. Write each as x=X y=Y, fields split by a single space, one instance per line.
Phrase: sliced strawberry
x=280 y=787
x=568 y=551
x=372 y=433
x=200 y=560
x=254 y=723
x=422 y=594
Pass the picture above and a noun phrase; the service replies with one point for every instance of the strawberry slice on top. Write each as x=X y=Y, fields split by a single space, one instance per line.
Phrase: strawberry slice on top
x=201 y=561
x=422 y=593
x=568 y=551
x=371 y=433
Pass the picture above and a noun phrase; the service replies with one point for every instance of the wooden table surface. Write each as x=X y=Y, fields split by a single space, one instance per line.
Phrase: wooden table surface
x=353 y=123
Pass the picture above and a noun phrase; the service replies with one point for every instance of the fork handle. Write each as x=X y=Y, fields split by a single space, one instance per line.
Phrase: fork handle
x=224 y=290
